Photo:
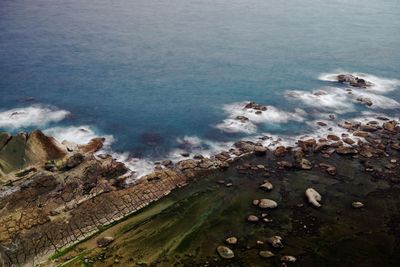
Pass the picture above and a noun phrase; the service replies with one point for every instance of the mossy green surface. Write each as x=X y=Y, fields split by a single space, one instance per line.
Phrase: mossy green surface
x=185 y=228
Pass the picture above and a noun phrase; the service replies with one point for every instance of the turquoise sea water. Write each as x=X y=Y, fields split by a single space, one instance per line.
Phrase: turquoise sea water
x=149 y=72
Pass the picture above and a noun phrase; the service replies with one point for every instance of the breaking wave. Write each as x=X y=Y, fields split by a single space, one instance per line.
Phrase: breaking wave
x=33 y=116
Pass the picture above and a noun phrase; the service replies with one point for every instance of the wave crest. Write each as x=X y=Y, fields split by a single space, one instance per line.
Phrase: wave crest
x=33 y=116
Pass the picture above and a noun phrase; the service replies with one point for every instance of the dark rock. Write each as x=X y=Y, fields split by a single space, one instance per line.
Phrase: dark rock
x=254 y=105
x=333 y=137
x=353 y=81
x=104 y=241
x=365 y=100
x=346 y=150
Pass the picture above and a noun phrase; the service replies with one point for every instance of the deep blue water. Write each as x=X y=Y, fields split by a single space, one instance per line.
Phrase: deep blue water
x=131 y=68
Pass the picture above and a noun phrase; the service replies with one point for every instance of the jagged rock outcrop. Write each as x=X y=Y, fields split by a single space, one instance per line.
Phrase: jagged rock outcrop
x=24 y=149
x=353 y=80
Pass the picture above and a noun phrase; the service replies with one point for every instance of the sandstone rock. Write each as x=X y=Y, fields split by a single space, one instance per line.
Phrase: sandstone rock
x=321 y=146
x=308 y=144
x=266 y=254
x=23 y=150
x=313 y=197
x=266 y=203
x=225 y=252
x=231 y=240
x=187 y=164
x=4 y=138
x=267 y=186
x=288 y=258
x=245 y=146
x=336 y=144
x=333 y=137
x=285 y=164
x=252 y=218
x=275 y=241
x=74 y=160
x=166 y=162
x=260 y=150
x=280 y=151
x=390 y=126
x=348 y=141
x=361 y=133
x=370 y=127
x=357 y=204
x=93 y=146
x=305 y=164
x=346 y=151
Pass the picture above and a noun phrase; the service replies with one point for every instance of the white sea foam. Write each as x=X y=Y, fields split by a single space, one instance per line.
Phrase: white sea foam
x=138 y=166
x=380 y=85
x=332 y=98
x=236 y=126
x=37 y=116
x=378 y=101
x=195 y=145
x=79 y=135
x=339 y=100
x=272 y=115
x=192 y=141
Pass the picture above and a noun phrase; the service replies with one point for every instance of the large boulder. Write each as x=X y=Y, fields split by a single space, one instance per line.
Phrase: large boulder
x=40 y=147
x=313 y=197
x=93 y=146
x=353 y=80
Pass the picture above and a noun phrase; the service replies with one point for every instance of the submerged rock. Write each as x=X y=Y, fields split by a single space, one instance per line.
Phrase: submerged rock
x=266 y=203
x=313 y=197
x=225 y=252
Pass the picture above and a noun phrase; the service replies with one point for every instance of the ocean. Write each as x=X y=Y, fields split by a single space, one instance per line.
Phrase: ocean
x=159 y=78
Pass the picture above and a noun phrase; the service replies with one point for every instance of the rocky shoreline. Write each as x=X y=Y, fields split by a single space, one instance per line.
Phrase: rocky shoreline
x=55 y=195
